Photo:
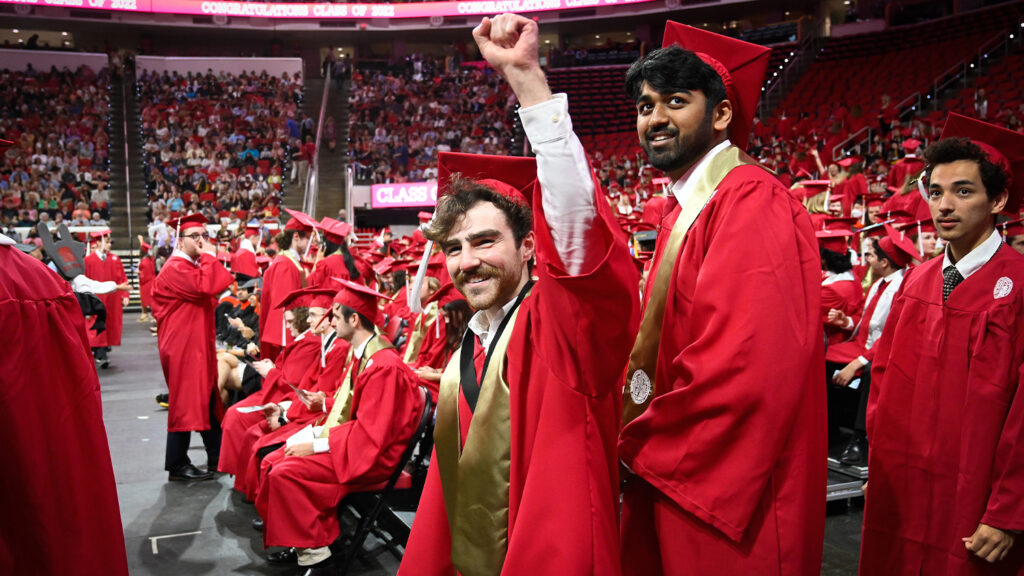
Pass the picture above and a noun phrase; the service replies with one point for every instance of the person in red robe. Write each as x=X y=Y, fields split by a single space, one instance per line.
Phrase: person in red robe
x=184 y=296
x=906 y=167
x=147 y=273
x=276 y=375
x=103 y=265
x=60 y=510
x=441 y=336
x=946 y=413
x=355 y=448
x=840 y=289
x=284 y=276
x=523 y=478
x=724 y=429
x=337 y=261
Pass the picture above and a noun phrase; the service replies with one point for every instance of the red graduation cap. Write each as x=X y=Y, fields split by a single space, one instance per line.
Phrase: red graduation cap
x=308 y=297
x=1005 y=148
x=741 y=65
x=360 y=298
x=245 y=262
x=5 y=144
x=384 y=266
x=898 y=247
x=1012 y=228
x=834 y=240
x=510 y=176
x=97 y=234
x=335 y=230
x=252 y=230
x=840 y=224
x=445 y=295
x=145 y=247
x=911 y=145
x=224 y=257
x=425 y=217
x=186 y=222
x=810 y=188
x=300 y=221
x=849 y=161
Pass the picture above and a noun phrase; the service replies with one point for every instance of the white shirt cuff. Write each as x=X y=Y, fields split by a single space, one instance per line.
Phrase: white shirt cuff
x=321 y=445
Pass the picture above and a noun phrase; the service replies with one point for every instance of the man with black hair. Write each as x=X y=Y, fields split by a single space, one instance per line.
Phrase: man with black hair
x=723 y=439
x=946 y=414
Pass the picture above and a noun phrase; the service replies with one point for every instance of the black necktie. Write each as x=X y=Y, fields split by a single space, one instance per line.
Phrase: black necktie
x=950 y=279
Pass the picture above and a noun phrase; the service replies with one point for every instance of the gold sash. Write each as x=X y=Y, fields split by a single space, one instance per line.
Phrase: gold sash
x=475 y=478
x=341 y=412
x=641 y=386
x=419 y=332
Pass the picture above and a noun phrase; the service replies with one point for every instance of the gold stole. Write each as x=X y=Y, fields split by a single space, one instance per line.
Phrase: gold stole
x=341 y=412
x=640 y=386
x=475 y=478
x=419 y=332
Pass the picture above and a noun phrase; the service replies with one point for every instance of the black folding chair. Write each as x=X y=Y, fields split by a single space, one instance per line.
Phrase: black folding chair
x=378 y=499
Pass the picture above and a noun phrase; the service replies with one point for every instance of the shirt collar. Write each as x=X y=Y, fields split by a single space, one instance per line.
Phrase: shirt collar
x=976 y=258
x=833 y=277
x=358 y=350
x=478 y=323
x=682 y=188
x=181 y=254
x=5 y=241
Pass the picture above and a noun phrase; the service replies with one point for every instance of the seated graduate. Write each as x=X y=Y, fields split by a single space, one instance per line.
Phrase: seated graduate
x=442 y=337
x=288 y=368
x=356 y=446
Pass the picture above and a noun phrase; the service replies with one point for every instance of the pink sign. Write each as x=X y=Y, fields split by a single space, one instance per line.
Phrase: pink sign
x=320 y=11
x=404 y=195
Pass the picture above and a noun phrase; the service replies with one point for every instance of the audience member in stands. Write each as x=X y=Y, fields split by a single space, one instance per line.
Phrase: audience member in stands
x=946 y=409
x=184 y=296
x=723 y=439
x=521 y=337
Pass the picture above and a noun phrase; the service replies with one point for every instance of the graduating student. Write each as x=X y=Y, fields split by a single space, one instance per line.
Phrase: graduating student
x=103 y=265
x=946 y=414
x=60 y=512
x=524 y=476
x=357 y=445
x=724 y=423
x=285 y=275
x=337 y=261
x=147 y=273
x=184 y=297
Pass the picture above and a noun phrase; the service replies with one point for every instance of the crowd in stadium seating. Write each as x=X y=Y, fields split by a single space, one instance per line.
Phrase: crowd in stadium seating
x=399 y=120
x=58 y=170
x=221 y=144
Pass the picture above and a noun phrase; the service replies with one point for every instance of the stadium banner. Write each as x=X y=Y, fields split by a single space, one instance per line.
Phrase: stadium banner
x=322 y=11
x=403 y=195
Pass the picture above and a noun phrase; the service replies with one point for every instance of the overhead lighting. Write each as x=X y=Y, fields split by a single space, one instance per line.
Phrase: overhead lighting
x=547 y=41
x=63 y=33
x=15 y=30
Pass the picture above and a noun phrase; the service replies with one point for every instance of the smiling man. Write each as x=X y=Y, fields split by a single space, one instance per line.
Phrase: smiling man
x=724 y=434
x=524 y=475
x=946 y=416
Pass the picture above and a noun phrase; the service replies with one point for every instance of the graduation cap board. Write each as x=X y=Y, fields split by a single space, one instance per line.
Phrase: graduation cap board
x=741 y=65
x=1005 y=149
x=362 y=299
x=513 y=177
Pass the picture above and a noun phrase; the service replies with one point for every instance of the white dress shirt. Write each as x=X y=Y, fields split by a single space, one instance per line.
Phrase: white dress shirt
x=976 y=258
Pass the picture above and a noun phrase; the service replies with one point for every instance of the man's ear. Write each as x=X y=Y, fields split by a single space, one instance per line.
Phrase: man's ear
x=722 y=116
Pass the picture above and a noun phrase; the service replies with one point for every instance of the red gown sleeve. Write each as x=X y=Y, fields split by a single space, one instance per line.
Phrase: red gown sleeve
x=208 y=281
x=880 y=354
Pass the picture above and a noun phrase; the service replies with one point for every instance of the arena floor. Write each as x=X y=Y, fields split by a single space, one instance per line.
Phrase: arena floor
x=205 y=527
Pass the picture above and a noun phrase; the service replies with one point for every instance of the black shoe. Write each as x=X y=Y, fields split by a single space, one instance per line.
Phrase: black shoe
x=104 y=363
x=286 y=556
x=188 y=473
x=856 y=452
x=257 y=524
x=163 y=400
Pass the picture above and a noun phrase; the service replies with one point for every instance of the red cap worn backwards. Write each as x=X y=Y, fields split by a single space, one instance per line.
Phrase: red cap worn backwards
x=360 y=298
x=1004 y=148
x=513 y=177
x=741 y=65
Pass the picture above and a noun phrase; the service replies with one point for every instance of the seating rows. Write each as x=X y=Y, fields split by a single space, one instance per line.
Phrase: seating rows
x=58 y=169
x=220 y=143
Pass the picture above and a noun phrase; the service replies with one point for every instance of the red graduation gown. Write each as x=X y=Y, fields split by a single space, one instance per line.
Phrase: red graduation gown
x=298 y=496
x=434 y=352
x=101 y=270
x=565 y=389
x=902 y=168
x=147 y=273
x=844 y=295
x=332 y=266
x=184 y=298
x=733 y=456
x=290 y=366
x=912 y=203
x=281 y=278
x=946 y=423
x=60 y=511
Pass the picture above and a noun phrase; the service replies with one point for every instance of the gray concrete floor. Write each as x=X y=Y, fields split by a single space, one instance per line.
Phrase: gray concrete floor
x=204 y=527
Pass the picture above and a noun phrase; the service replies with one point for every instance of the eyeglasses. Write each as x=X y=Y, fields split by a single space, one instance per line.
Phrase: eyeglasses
x=195 y=236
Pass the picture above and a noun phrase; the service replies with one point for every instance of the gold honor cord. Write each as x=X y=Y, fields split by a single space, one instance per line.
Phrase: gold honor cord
x=475 y=478
x=341 y=412
x=641 y=386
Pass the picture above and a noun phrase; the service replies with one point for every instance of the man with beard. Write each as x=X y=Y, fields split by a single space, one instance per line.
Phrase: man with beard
x=724 y=433
x=523 y=477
